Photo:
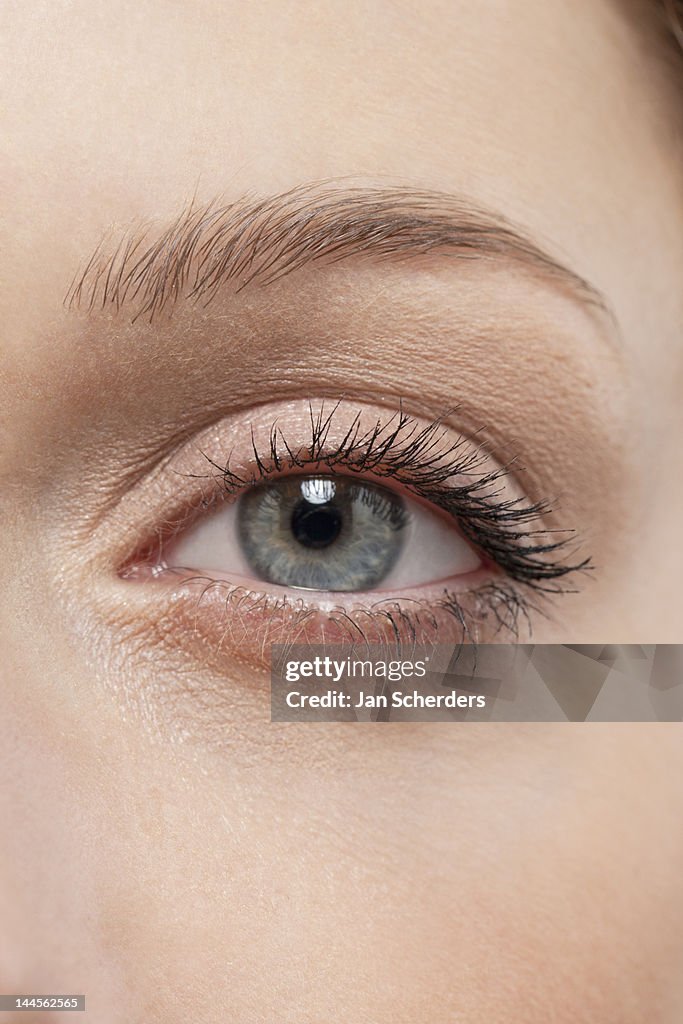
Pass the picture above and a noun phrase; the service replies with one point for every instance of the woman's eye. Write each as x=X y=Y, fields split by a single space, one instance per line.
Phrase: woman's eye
x=338 y=523
x=325 y=533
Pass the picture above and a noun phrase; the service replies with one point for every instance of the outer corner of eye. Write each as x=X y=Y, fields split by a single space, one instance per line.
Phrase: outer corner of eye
x=325 y=533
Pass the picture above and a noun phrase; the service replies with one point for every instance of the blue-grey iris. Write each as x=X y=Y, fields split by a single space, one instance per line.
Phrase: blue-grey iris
x=322 y=532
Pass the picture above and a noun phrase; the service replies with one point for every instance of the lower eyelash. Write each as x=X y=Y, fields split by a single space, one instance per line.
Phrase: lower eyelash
x=496 y=611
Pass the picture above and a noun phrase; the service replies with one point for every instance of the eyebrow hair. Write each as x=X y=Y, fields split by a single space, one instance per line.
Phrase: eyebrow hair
x=253 y=241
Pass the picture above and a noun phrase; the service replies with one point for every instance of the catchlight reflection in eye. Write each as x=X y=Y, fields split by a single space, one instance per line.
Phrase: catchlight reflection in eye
x=328 y=534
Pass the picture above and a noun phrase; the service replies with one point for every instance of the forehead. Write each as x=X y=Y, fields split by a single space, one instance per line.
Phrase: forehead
x=541 y=109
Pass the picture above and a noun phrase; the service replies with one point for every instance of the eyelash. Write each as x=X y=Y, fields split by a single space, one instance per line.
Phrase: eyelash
x=422 y=460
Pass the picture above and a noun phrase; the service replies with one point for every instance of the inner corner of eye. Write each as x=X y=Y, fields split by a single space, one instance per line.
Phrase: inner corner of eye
x=324 y=532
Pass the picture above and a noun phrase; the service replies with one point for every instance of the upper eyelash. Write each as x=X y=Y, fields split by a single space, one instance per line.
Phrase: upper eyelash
x=424 y=460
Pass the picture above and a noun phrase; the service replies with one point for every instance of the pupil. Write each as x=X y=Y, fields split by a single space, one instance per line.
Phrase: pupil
x=316 y=526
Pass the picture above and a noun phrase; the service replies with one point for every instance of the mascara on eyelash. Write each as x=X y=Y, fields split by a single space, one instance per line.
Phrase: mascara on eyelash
x=425 y=461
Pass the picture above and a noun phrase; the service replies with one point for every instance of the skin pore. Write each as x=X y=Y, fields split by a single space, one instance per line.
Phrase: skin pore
x=169 y=851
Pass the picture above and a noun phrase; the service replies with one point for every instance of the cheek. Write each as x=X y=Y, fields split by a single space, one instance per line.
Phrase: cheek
x=444 y=887
x=197 y=877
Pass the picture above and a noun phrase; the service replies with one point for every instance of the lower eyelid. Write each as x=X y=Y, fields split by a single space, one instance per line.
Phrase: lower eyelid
x=228 y=617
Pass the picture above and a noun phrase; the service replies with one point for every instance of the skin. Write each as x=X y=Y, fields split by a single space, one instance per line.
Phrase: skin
x=166 y=849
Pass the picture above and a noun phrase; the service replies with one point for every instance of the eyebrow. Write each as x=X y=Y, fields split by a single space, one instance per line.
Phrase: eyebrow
x=257 y=241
